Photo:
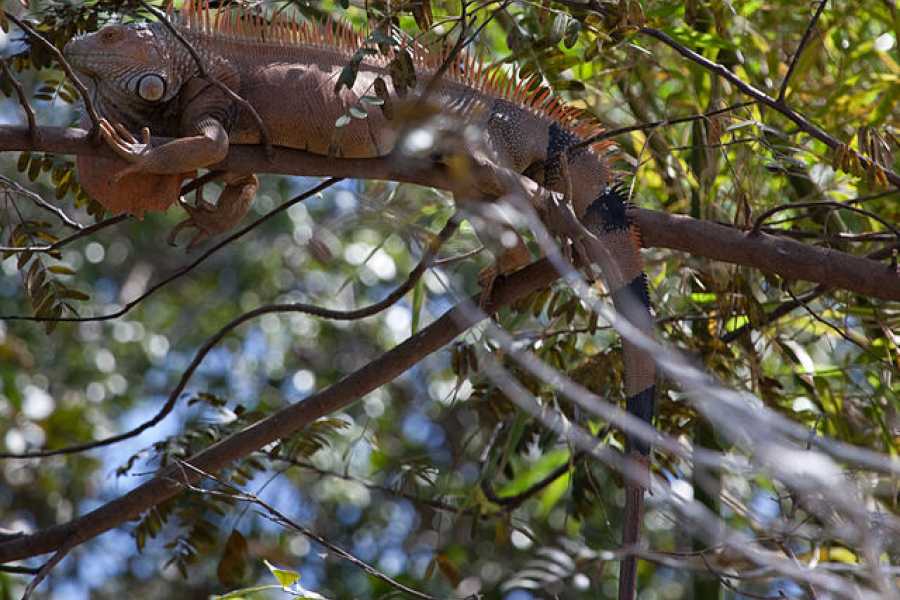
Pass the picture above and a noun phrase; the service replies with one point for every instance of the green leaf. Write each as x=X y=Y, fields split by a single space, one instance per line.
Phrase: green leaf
x=285 y=577
x=736 y=323
x=342 y=121
x=693 y=38
x=61 y=270
x=417 y=302
x=73 y=294
x=703 y=297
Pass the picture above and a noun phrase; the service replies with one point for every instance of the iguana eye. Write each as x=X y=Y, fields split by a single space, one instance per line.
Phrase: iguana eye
x=151 y=87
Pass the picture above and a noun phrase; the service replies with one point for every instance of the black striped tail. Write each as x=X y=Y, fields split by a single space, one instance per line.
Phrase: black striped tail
x=607 y=218
x=620 y=261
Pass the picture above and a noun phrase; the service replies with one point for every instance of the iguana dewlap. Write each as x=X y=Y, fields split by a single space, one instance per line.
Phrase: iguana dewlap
x=136 y=193
x=144 y=77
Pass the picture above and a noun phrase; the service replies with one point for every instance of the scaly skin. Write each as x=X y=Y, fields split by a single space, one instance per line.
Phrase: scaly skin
x=144 y=77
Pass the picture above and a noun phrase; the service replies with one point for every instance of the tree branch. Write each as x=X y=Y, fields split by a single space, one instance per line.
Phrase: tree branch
x=20 y=94
x=777 y=255
x=66 y=67
x=284 y=422
x=772 y=254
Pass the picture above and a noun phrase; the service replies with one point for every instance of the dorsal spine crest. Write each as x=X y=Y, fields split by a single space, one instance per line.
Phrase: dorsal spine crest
x=238 y=24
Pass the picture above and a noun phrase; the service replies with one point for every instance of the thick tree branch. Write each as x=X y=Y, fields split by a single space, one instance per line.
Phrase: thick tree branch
x=777 y=255
x=283 y=423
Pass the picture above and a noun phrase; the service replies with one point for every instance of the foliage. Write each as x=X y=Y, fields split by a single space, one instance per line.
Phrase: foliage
x=439 y=479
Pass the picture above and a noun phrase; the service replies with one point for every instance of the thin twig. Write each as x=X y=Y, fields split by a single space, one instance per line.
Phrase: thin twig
x=280 y=518
x=186 y=268
x=801 y=121
x=834 y=327
x=18 y=570
x=68 y=240
x=66 y=220
x=428 y=502
x=48 y=566
x=70 y=73
x=204 y=74
x=839 y=205
x=605 y=135
x=309 y=309
x=834 y=238
x=515 y=500
x=725 y=583
x=449 y=260
x=461 y=42
x=23 y=99
x=778 y=312
x=803 y=41
x=787 y=307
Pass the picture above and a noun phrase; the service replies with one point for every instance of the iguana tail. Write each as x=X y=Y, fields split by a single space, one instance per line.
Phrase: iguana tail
x=619 y=258
x=606 y=218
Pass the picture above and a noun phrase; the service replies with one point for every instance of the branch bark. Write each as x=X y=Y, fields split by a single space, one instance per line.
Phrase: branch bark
x=773 y=254
x=284 y=423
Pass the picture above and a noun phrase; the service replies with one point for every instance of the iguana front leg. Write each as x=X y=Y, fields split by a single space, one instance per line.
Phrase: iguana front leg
x=207 y=148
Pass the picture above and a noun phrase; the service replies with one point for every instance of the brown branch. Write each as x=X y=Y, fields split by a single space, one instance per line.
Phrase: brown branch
x=803 y=41
x=66 y=67
x=802 y=122
x=788 y=258
x=284 y=422
x=23 y=99
x=772 y=254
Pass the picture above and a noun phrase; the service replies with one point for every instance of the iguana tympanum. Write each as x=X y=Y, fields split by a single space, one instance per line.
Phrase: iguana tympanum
x=143 y=77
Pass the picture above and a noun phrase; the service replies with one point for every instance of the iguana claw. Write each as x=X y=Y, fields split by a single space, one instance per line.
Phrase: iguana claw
x=124 y=144
x=213 y=219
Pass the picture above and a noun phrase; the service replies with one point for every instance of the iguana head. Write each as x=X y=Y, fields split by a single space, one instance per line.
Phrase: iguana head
x=129 y=65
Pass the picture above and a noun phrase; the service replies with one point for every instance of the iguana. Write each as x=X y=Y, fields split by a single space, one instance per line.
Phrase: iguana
x=144 y=79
